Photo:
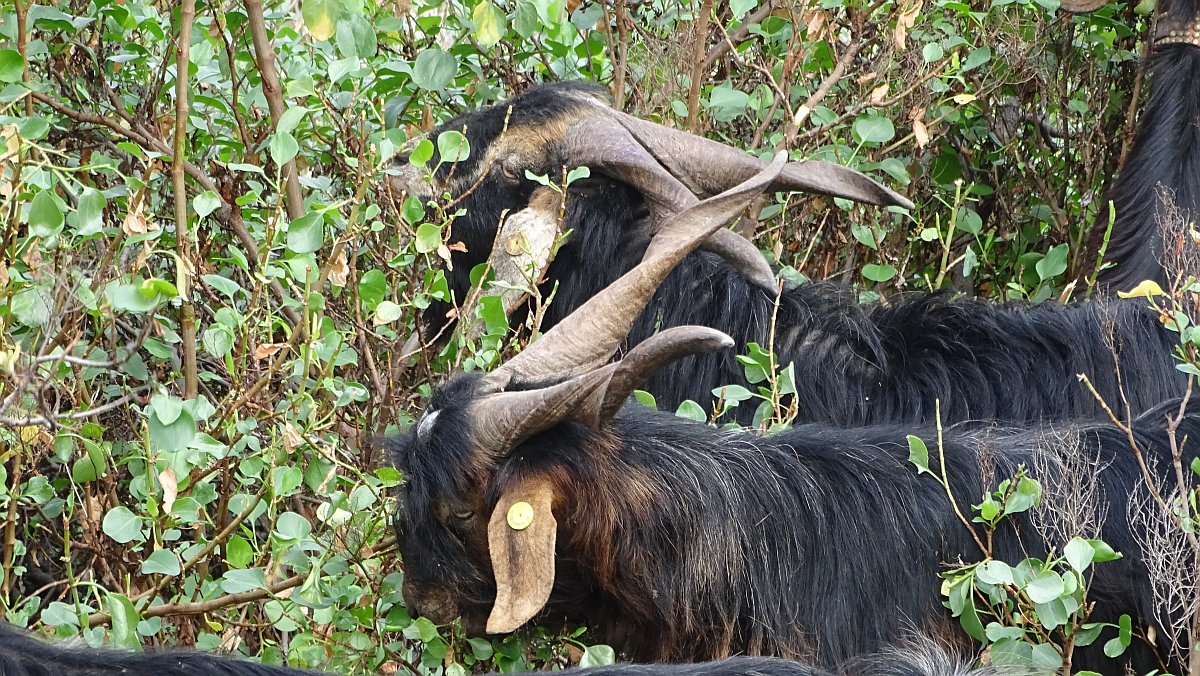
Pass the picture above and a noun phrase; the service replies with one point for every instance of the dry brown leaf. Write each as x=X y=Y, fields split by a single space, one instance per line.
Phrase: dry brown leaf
x=878 y=94
x=815 y=22
x=170 y=488
x=920 y=133
x=457 y=246
x=291 y=438
x=3 y=275
x=136 y=222
x=266 y=350
x=339 y=272
x=906 y=20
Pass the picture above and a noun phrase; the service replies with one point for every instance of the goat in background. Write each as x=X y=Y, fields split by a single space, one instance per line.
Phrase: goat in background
x=855 y=363
x=535 y=491
x=1161 y=177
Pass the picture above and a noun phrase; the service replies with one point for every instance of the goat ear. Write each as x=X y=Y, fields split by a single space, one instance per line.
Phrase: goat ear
x=521 y=537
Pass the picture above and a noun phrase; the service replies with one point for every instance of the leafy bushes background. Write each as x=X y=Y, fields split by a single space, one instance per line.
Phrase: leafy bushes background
x=199 y=355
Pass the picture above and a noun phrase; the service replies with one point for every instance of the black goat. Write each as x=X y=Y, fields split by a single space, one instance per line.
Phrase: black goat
x=23 y=655
x=1159 y=186
x=855 y=364
x=677 y=541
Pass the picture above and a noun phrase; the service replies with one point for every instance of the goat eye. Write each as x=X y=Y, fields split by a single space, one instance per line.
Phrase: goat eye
x=512 y=168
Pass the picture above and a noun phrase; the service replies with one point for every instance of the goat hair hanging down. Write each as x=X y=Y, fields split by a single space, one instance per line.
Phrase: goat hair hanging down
x=854 y=363
x=537 y=490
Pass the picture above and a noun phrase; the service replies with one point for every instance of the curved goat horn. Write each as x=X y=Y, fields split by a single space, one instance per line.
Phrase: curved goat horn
x=707 y=167
x=604 y=144
x=589 y=336
x=500 y=421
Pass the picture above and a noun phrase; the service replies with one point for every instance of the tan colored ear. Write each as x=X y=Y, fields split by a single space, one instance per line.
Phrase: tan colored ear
x=521 y=535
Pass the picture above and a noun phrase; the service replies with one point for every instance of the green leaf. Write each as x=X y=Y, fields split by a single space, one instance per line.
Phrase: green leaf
x=931 y=52
x=481 y=648
x=33 y=128
x=692 y=411
x=1196 y=466
x=1045 y=657
x=306 y=234
x=218 y=341
x=645 y=398
x=283 y=147
x=31 y=306
x=89 y=214
x=123 y=620
x=977 y=58
x=740 y=7
x=238 y=552
x=166 y=408
x=175 y=436
x=387 y=312
x=1046 y=587
x=291 y=118
x=45 y=217
x=59 y=614
x=320 y=17
x=874 y=129
x=223 y=284
x=292 y=526
x=969 y=221
x=122 y=525
x=918 y=454
x=429 y=237
x=371 y=288
x=489 y=23
x=206 y=202
x=878 y=273
x=734 y=394
x=285 y=480
x=597 y=656
x=433 y=69
x=161 y=562
x=91 y=466
x=994 y=572
x=1079 y=553
x=12 y=66
x=421 y=153
x=453 y=147
x=238 y=581
x=1054 y=263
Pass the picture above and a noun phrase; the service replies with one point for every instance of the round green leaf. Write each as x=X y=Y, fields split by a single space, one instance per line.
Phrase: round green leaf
x=89 y=215
x=429 y=237
x=320 y=17
x=874 y=129
x=45 y=217
x=122 y=525
x=12 y=66
x=878 y=273
x=161 y=562
x=205 y=203
x=433 y=69
x=305 y=234
x=283 y=147
x=489 y=23
x=1046 y=587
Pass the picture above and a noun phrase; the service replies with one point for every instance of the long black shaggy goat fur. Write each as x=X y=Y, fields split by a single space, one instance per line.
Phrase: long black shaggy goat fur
x=854 y=363
x=23 y=655
x=678 y=541
x=1165 y=157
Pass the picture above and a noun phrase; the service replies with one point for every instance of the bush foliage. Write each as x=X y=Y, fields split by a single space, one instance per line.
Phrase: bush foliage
x=205 y=299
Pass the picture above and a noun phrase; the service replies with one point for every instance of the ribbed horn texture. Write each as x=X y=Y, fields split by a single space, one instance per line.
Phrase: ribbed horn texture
x=504 y=419
x=591 y=335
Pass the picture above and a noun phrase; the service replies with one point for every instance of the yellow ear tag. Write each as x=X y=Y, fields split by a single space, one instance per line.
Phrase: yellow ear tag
x=520 y=515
